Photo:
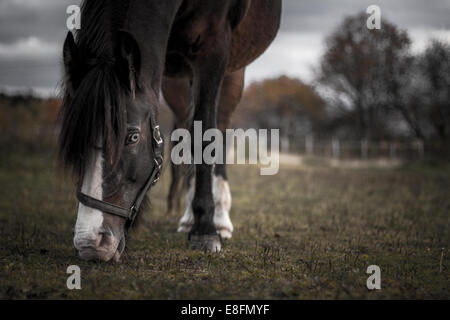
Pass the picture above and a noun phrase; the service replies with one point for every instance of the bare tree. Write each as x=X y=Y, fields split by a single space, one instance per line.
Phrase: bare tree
x=360 y=69
x=436 y=70
x=421 y=92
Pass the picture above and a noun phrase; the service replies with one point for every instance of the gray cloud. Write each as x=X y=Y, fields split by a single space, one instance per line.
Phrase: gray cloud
x=32 y=33
x=305 y=24
x=324 y=15
x=44 y=19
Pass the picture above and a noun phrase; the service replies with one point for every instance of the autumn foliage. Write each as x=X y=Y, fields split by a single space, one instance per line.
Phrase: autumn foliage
x=283 y=103
x=27 y=121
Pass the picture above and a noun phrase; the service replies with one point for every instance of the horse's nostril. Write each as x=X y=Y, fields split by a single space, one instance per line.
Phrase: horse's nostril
x=105 y=240
x=99 y=240
x=91 y=242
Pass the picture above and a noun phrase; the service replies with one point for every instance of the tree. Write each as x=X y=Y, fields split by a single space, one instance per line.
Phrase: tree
x=283 y=103
x=359 y=73
x=422 y=95
x=435 y=63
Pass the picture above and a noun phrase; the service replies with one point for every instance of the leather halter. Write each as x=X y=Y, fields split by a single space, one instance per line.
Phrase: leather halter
x=131 y=212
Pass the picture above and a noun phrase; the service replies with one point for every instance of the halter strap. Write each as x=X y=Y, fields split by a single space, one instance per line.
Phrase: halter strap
x=130 y=213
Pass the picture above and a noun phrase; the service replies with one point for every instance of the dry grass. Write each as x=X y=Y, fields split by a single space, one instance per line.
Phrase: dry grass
x=309 y=232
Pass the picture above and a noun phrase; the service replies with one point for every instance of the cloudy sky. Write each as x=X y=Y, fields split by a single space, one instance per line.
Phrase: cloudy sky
x=32 y=33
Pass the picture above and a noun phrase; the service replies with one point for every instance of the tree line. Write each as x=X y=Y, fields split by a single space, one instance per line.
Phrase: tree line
x=369 y=85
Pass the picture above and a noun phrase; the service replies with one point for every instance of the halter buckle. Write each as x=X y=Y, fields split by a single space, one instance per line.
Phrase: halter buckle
x=133 y=213
x=157 y=135
x=159 y=162
x=157 y=176
x=158 y=166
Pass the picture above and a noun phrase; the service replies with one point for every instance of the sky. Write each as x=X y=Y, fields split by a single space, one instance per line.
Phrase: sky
x=32 y=33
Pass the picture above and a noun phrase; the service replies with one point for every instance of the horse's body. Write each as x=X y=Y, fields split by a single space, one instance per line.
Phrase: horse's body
x=196 y=51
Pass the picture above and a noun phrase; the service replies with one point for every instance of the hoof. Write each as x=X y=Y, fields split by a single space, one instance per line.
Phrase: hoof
x=184 y=228
x=211 y=243
x=225 y=234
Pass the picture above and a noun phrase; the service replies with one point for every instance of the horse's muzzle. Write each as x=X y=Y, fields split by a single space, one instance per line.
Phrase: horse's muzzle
x=102 y=246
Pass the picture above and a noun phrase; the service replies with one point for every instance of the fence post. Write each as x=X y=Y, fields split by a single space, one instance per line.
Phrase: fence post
x=420 y=149
x=309 y=145
x=392 y=150
x=364 y=149
x=335 y=148
x=285 y=145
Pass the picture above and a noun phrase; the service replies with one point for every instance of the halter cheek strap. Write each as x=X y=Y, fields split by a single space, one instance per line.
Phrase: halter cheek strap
x=131 y=212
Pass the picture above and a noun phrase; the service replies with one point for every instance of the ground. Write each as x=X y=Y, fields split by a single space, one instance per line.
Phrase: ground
x=309 y=232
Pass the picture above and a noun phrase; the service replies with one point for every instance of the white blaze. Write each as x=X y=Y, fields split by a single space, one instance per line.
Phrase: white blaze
x=89 y=221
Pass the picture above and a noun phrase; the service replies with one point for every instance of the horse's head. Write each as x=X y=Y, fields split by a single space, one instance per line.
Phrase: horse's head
x=110 y=140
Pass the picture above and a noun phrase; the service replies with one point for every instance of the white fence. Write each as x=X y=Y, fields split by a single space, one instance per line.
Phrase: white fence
x=363 y=149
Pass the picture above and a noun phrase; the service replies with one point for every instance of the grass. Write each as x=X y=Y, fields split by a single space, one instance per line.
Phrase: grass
x=309 y=232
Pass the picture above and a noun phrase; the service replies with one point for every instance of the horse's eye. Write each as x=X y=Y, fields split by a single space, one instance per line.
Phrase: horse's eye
x=132 y=138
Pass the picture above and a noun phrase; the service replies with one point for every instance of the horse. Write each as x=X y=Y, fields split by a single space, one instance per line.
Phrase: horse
x=126 y=54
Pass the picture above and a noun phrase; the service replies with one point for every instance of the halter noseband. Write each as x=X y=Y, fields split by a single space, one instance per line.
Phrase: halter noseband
x=130 y=213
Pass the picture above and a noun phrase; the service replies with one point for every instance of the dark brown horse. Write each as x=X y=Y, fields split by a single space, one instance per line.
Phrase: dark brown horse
x=126 y=52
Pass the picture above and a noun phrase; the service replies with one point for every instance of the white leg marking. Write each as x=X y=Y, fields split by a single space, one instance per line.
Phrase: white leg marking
x=222 y=202
x=89 y=220
x=187 y=220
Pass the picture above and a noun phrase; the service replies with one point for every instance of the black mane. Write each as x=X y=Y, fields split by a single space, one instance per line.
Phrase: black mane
x=93 y=113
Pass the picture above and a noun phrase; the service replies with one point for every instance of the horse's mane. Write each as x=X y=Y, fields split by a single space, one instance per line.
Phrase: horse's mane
x=94 y=113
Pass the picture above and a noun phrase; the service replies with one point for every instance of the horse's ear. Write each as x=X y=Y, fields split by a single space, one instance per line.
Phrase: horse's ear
x=72 y=63
x=129 y=49
x=130 y=54
x=70 y=53
x=238 y=12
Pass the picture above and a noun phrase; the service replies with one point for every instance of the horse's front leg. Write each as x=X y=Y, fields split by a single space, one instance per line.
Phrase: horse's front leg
x=231 y=93
x=209 y=72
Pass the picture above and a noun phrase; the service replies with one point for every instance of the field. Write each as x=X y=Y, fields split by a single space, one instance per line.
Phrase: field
x=309 y=232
